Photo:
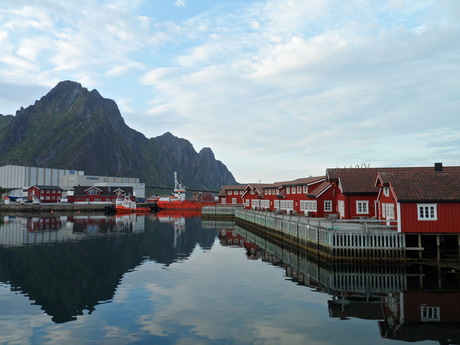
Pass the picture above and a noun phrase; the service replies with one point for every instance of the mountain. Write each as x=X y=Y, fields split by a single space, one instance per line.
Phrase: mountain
x=73 y=128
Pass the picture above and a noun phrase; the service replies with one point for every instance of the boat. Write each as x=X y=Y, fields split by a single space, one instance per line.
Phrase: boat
x=124 y=204
x=177 y=201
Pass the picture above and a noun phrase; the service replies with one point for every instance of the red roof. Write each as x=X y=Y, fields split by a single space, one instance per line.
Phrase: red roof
x=423 y=186
x=320 y=189
x=362 y=180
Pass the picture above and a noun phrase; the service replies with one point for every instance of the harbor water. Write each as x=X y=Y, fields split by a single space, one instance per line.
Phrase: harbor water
x=178 y=279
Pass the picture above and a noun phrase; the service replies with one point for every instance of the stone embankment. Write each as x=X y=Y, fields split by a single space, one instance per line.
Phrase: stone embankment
x=28 y=208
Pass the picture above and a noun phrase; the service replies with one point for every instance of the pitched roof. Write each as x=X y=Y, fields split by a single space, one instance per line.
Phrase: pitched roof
x=423 y=186
x=320 y=189
x=43 y=187
x=362 y=180
x=223 y=189
x=299 y=181
x=105 y=190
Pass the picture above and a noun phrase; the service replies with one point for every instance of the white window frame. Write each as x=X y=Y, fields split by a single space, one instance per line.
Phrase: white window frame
x=386 y=191
x=233 y=201
x=327 y=205
x=362 y=206
x=430 y=314
x=305 y=189
x=427 y=212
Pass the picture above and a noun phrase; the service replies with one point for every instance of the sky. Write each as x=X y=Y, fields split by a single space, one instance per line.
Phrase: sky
x=278 y=89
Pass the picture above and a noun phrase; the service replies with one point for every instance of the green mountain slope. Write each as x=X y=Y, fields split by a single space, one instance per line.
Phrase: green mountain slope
x=73 y=128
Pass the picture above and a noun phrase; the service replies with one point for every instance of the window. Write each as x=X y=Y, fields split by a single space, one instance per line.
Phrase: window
x=429 y=314
x=230 y=192
x=362 y=207
x=265 y=203
x=288 y=190
x=233 y=200
x=427 y=212
x=92 y=191
x=299 y=189
x=327 y=206
x=223 y=201
x=386 y=191
x=308 y=205
x=247 y=202
x=293 y=190
x=305 y=189
x=255 y=203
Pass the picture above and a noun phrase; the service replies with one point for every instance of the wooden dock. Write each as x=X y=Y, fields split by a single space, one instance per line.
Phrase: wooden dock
x=346 y=240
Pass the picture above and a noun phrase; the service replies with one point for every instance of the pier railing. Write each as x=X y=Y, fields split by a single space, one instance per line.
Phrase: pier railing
x=366 y=239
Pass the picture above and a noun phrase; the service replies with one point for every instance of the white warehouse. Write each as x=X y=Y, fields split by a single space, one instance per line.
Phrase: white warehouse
x=19 y=177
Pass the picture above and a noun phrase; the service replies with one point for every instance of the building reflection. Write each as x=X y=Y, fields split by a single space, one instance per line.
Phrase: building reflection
x=69 y=265
x=409 y=302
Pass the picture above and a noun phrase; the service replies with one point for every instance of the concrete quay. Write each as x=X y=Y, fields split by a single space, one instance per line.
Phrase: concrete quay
x=47 y=208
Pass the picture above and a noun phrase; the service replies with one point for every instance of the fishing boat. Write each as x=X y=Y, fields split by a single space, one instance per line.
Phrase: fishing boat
x=126 y=205
x=177 y=200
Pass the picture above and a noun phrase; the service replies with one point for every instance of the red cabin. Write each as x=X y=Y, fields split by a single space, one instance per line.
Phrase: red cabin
x=45 y=194
x=420 y=201
x=98 y=194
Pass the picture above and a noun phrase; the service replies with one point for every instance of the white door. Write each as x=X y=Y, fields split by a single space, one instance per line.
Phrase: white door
x=341 y=206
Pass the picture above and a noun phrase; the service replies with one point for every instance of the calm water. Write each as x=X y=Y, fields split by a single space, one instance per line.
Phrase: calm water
x=175 y=280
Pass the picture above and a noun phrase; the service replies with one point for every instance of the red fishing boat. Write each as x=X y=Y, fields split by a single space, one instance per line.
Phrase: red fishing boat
x=126 y=205
x=177 y=201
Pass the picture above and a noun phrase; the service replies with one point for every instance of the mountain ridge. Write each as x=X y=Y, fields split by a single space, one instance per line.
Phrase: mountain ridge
x=74 y=128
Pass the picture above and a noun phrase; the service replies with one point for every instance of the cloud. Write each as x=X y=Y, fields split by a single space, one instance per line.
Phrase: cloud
x=179 y=3
x=300 y=79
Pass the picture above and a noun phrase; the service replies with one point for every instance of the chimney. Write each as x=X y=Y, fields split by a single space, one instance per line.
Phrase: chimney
x=437 y=166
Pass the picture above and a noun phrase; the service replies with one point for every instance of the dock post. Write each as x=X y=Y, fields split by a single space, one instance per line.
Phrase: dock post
x=438 y=247
x=420 y=246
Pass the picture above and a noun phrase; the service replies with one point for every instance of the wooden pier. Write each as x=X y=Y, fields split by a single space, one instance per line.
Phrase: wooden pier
x=345 y=240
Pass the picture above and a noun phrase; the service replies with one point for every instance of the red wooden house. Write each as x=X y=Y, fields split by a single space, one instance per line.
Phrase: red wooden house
x=287 y=196
x=293 y=196
x=421 y=201
x=231 y=194
x=354 y=190
x=252 y=195
x=98 y=194
x=45 y=194
x=326 y=205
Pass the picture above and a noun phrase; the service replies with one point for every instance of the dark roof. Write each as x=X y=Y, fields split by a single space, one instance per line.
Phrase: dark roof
x=105 y=190
x=423 y=186
x=362 y=180
x=223 y=189
x=319 y=189
x=298 y=182
x=47 y=187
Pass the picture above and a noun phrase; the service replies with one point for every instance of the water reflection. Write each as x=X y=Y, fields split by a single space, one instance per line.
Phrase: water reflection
x=410 y=302
x=173 y=278
x=68 y=265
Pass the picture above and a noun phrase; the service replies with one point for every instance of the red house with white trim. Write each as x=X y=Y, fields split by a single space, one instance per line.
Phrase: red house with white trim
x=232 y=194
x=98 y=194
x=45 y=194
x=421 y=201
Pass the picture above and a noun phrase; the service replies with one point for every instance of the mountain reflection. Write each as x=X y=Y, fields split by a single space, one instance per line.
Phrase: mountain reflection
x=68 y=265
x=409 y=302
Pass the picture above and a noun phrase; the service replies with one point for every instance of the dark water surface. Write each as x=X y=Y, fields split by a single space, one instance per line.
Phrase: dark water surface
x=171 y=280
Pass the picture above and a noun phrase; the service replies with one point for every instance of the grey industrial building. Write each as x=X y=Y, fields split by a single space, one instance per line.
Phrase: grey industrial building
x=20 y=177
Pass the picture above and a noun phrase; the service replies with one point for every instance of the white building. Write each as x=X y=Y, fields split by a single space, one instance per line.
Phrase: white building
x=20 y=177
